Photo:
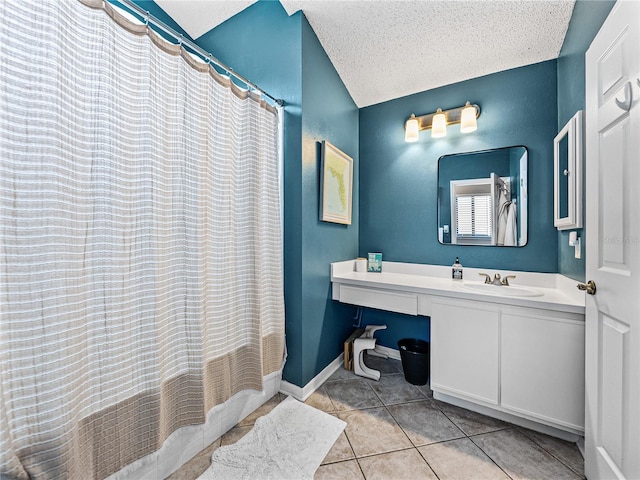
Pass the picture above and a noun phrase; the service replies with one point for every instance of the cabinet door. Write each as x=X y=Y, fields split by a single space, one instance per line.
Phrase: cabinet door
x=464 y=350
x=542 y=367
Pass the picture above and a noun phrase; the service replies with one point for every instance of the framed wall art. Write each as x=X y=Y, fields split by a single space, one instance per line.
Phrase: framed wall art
x=336 y=185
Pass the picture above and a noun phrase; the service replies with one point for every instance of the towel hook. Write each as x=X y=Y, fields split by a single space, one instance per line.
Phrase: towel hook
x=628 y=98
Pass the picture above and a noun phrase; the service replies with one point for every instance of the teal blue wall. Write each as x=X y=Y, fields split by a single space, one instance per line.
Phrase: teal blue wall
x=398 y=180
x=282 y=55
x=328 y=113
x=587 y=19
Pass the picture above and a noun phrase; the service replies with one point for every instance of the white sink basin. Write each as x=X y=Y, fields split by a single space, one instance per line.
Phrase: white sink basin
x=501 y=290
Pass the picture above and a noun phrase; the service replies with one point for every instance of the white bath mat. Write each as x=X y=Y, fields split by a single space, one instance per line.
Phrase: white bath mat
x=288 y=443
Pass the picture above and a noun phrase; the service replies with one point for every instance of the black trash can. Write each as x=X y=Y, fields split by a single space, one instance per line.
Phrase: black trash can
x=414 y=354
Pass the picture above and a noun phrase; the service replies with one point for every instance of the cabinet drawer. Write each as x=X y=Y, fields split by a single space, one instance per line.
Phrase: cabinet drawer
x=380 y=299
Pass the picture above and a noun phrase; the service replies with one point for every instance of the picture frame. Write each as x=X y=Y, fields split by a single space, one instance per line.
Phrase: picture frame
x=336 y=185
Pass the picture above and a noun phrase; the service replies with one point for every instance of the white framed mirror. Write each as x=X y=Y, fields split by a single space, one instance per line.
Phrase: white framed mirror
x=567 y=175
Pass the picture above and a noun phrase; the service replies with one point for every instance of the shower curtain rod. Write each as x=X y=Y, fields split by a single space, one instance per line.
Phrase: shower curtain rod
x=150 y=19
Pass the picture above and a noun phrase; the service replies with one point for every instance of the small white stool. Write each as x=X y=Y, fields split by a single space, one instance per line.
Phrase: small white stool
x=367 y=342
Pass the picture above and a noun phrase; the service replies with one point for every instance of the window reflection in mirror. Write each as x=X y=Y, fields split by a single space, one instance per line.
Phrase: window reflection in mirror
x=482 y=198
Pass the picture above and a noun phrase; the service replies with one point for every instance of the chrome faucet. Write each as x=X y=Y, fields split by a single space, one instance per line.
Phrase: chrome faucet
x=496 y=279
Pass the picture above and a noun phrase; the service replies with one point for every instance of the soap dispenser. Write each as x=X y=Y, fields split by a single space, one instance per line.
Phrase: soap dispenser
x=456 y=270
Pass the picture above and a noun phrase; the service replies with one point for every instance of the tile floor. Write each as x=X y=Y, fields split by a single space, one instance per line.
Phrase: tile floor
x=396 y=430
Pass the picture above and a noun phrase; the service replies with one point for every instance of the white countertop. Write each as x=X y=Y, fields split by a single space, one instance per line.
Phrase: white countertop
x=557 y=292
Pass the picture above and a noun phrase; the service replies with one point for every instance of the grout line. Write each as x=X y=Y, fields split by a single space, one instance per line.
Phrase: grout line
x=490 y=431
x=489 y=456
x=550 y=451
x=428 y=464
x=436 y=405
x=384 y=453
x=469 y=437
x=350 y=446
x=581 y=475
x=361 y=471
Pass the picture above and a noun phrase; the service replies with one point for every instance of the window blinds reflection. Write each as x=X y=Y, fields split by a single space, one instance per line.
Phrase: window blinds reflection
x=474 y=216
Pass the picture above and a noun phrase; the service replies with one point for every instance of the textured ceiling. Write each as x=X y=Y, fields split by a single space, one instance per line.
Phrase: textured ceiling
x=387 y=49
x=197 y=17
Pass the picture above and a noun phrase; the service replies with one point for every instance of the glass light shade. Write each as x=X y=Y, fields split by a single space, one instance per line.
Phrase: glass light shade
x=438 y=125
x=468 y=122
x=411 y=129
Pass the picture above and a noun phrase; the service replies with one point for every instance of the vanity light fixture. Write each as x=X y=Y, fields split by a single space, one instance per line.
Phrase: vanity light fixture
x=466 y=116
x=439 y=124
x=412 y=131
x=468 y=119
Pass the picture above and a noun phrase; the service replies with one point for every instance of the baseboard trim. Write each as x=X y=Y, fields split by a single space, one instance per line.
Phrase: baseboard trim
x=580 y=444
x=508 y=417
x=302 y=393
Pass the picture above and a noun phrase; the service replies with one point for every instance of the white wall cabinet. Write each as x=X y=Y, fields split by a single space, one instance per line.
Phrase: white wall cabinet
x=521 y=361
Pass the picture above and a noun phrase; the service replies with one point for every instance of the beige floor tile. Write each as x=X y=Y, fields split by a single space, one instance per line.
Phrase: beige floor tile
x=566 y=452
x=426 y=390
x=372 y=431
x=405 y=464
x=384 y=450
x=386 y=366
x=197 y=465
x=262 y=410
x=341 y=374
x=352 y=394
x=471 y=423
x=349 y=470
x=520 y=457
x=424 y=423
x=393 y=389
x=460 y=459
x=340 y=451
x=235 y=434
x=320 y=399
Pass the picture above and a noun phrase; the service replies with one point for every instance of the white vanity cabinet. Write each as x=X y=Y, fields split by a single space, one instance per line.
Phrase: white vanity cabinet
x=522 y=361
x=542 y=366
x=513 y=352
x=465 y=349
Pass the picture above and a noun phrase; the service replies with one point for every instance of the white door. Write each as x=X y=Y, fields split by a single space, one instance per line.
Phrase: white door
x=612 y=435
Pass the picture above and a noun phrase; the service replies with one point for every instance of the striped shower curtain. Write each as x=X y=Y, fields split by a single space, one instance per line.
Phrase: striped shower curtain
x=140 y=240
